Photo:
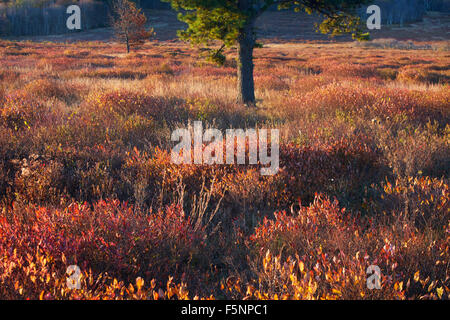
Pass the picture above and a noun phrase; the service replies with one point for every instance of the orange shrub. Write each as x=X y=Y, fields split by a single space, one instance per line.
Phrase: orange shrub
x=332 y=251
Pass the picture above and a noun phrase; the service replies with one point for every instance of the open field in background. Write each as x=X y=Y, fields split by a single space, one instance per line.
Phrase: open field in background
x=86 y=178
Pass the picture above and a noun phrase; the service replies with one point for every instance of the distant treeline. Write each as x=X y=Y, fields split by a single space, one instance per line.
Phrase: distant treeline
x=31 y=17
x=404 y=11
x=399 y=11
x=44 y=17
x=438 y=5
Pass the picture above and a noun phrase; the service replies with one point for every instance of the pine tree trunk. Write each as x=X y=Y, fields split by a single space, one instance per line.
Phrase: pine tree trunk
x=246 y=43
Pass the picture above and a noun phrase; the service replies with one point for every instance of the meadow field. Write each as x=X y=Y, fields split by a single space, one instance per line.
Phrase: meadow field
x=86 y=176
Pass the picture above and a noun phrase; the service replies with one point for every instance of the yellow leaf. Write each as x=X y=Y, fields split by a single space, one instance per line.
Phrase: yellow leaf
x=417 y=276
x=336 y=291
x=440 y=291
x=139 y=283
x=431 y=286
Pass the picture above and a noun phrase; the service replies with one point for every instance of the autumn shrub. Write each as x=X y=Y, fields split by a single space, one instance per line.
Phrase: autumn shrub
x=387 y=73
x=213 y=71
x=420 y=74
x=59 y=63
x=8 y=76
x=165 y=68
x=6 y=182
x=20 y=111
x=248 y=191
x=373 y=102
x=154 y=179
x=127 y=103
x=351 y=70
x=46 y=88
x=336 y=95
x=308 y=83
x=115 y=73
x=414 y=150
x=110 y=238
x=423 y=200
x=38 y=181
x=41 y=276
x=136 y=130
x=343 y=168
x=322 y=251
x=216 y=113
x=271 y=83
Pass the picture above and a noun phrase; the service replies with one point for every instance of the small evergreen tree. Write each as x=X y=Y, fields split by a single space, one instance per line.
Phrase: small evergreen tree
x=128 y=23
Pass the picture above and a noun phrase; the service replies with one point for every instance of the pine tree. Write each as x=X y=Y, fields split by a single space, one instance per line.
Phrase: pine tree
x=128 y=23
x=233 y=21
